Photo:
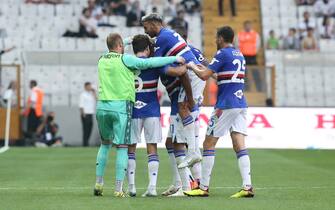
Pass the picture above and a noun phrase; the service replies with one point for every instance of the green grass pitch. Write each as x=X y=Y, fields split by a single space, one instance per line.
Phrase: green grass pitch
x=62 y=178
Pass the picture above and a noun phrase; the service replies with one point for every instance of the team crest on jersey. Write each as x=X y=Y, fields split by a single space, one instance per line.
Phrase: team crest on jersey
x=139 y=104
x=239 y=94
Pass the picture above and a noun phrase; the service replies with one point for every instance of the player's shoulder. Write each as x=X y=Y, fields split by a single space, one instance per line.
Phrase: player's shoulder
x=194 y=49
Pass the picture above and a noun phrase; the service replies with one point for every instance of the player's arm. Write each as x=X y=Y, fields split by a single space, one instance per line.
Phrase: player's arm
x=175 y=71
x=201 y=71
x=135 y=63
x=204 y=72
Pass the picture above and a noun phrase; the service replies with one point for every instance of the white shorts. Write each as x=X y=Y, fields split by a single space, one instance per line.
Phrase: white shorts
x=178 y=127
x=227 y=120
x=198 y=87
x=152 y=130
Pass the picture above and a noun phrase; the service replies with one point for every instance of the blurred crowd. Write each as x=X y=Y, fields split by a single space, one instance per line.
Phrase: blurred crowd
x=309 y=30
x=97 y=13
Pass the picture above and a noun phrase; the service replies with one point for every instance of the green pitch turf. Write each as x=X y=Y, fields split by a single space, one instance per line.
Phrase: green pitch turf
x=62 y=178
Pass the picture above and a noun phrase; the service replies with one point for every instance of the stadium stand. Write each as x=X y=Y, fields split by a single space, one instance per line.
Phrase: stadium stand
x=39 y=28
x=300 y=79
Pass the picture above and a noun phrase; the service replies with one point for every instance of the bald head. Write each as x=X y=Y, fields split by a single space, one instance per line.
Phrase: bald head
x=114 y=43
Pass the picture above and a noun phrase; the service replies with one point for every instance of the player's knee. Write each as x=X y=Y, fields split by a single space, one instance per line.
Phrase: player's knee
x=132 y=148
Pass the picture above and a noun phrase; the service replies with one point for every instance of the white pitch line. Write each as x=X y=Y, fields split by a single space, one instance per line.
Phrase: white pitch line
x=142 y=188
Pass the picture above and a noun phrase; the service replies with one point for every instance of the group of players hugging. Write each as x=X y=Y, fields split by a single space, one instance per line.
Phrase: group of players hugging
x=128 y=104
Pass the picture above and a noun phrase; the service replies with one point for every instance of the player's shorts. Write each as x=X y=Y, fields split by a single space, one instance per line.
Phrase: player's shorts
x=152 y=130
x=114 y=126
x=178 y=128
x=197 y=85
x=227 y=120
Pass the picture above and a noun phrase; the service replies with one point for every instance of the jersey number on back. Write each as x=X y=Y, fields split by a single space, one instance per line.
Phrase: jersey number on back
x=240 y=66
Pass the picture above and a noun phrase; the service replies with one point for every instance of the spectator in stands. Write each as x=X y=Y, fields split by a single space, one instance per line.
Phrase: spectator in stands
x=45 y=1
x=273 y=41
x=154 y=10
x=323 y=8
x=305 y=2
x=134 y=15
x=232 y=7
x=34 y=108
x=10 y=93
x=191 y=6
x=96 y=10
x=87 y=24
x=309 y=42
x=179 y=21
x=47 y=133
x=118 y=7
x=169 y=9
x=87 y=104
x=249 y=43
x=327 y=30
x=306 y=23
x=291 y=41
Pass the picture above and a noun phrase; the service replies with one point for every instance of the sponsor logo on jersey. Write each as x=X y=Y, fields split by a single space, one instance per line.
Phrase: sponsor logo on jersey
x=139 y=104
x=239 y=94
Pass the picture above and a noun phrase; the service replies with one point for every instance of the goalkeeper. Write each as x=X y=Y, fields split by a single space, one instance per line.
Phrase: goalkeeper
x=115 y=104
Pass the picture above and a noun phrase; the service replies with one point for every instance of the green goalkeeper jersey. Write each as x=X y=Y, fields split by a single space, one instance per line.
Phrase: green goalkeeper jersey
x=116 y=76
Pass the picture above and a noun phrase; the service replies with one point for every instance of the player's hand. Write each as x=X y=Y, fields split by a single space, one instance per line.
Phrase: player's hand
x=191 y=65
x=180 y=60
x=183 y=69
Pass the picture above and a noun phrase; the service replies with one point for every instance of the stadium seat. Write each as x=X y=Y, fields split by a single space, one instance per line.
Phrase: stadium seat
x=67 y=44
x=85 y=44
x=64 y=10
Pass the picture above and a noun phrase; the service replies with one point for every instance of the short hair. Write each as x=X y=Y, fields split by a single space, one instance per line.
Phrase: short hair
x=227 y=33
x=153 y=17
x=293 y=29
x=87 y=83
x=113 y=40
x=33 y=82
x=140 y=43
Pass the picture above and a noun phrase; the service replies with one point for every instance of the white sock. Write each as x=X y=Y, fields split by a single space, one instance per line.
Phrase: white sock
x=244 y=165
x=131 y=168
x=183 y=172
x=189 y=134
x=196 y=169
x=153 y=165
x=175 y=174
x=207 y=166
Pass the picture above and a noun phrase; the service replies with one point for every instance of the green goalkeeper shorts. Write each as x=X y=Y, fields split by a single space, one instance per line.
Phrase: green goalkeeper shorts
x=114 y=126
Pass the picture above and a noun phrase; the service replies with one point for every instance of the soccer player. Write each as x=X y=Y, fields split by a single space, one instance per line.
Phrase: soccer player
x=169 y=43
x=196 y=168
x=114 y=107
x=146 y=116
x=229 y=114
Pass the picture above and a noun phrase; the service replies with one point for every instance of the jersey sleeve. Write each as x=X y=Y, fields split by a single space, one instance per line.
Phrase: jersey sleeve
x=134 y=63
x=161 y=46
x=216 y=64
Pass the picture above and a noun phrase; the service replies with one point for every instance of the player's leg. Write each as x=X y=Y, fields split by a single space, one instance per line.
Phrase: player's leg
x=188 y=133
x=238 y=133
x=153 y=166
x=220 y=123
x=136 y=130
x=131 y=170
x=106 y=133
x=122 y=138
x=176 y=181
x=153 y=135
x=196 y=168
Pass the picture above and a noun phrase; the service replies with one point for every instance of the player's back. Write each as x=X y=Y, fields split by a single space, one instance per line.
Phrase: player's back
x=146 y=102
x=170 y=43
x=229 y=64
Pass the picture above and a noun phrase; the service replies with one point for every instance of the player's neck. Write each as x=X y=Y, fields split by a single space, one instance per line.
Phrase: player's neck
x=227 y=45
